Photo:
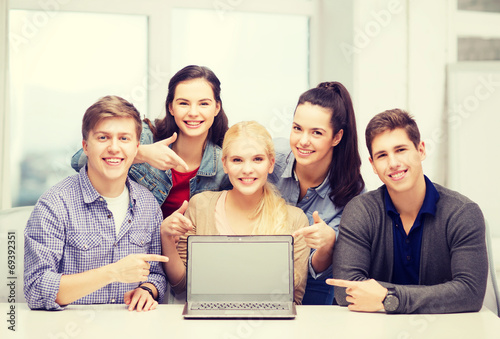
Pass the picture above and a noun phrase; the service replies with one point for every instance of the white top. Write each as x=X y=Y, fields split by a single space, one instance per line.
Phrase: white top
x=118 y=207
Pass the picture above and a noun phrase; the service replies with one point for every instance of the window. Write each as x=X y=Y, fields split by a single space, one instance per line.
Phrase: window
x=479 y=5
x=261 y=60
x=58 y=68
x=66 y=56
x=478 y=49
x=476 y=32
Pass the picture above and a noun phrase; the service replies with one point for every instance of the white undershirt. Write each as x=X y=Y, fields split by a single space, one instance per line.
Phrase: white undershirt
x=118 y=207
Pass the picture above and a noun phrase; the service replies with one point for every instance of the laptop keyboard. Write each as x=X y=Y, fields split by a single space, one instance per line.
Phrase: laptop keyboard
x=239 y=306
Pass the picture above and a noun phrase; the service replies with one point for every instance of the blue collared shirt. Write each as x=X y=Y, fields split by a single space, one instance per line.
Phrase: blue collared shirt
x=316 y=198
x=71 y=230
x=407 y=246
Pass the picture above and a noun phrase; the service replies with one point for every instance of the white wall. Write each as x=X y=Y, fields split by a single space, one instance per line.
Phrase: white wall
x=399 y=60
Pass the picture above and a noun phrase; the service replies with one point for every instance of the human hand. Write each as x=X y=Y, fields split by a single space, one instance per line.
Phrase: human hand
x=160 y=155
x=140 y=300
x=363 y=296
x=317 y=235
x=176 y=224
x=134 y=267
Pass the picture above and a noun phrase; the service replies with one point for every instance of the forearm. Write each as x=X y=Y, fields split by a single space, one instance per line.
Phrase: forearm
x=75 y=286
x=174 y=268
x=450 y=297
x=322 y=258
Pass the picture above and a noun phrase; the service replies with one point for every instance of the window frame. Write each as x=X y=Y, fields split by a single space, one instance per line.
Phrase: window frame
x=470 y=24
x=159 y=48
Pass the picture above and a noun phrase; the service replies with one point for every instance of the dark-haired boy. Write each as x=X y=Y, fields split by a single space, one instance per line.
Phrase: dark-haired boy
x=410 y=246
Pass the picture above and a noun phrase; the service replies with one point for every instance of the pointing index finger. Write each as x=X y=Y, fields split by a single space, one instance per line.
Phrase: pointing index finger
x=340 y=282
x=181 y=162
x=297 y=233
x=305 y=231
x=154 y=257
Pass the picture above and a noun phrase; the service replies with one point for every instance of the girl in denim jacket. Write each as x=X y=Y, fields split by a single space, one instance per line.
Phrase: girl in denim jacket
x=180 y=155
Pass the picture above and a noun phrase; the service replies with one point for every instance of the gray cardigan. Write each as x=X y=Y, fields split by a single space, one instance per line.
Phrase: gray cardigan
x=453 y=263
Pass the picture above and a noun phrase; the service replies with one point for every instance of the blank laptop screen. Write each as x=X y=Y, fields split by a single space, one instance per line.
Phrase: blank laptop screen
x=240 y=268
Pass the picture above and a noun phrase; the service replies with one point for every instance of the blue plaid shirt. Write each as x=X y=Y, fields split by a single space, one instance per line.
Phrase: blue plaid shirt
x=71 y=230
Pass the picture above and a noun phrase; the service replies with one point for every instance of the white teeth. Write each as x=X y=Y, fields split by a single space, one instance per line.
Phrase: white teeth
x=113 y=161
x=397 y=175
x=305 y=152
x=193 y=123
x=247 y=180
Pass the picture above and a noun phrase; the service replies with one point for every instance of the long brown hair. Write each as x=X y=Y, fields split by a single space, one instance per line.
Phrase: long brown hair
x=344 y=172
x=165 y=127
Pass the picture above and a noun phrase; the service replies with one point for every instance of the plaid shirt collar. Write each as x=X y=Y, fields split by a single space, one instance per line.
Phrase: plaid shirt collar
x=90 y=194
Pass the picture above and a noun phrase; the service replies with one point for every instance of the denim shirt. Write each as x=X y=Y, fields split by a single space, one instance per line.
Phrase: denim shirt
x=210 y=175
x=316 y=198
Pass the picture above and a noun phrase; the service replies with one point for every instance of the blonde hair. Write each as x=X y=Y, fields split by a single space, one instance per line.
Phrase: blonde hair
x=271 y=213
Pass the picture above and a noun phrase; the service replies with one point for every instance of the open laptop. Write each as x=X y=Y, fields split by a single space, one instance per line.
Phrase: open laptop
x=239 y=277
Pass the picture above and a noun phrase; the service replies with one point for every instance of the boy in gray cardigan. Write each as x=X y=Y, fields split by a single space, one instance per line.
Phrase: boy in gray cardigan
x=410 y=246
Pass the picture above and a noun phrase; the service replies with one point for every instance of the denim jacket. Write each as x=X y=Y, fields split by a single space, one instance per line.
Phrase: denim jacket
x=316 y=199
x=210 y=175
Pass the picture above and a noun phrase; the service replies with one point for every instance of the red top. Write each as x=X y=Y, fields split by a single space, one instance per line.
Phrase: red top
x=179 y=191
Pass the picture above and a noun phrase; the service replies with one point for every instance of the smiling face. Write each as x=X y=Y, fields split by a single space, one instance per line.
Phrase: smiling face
x=247 y=165
x=397 y=162
x=111 y=148
x=194 y=108
x=312 y=139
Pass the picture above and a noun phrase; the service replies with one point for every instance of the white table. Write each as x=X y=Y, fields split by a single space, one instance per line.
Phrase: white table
x=312 y=322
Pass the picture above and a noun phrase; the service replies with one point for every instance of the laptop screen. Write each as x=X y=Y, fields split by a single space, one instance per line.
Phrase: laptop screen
x=240 y=268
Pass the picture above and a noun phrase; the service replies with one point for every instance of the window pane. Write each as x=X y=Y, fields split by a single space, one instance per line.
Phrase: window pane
x=60 y=64
x=479 y=49
x=479 y=5
x=260 y=59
